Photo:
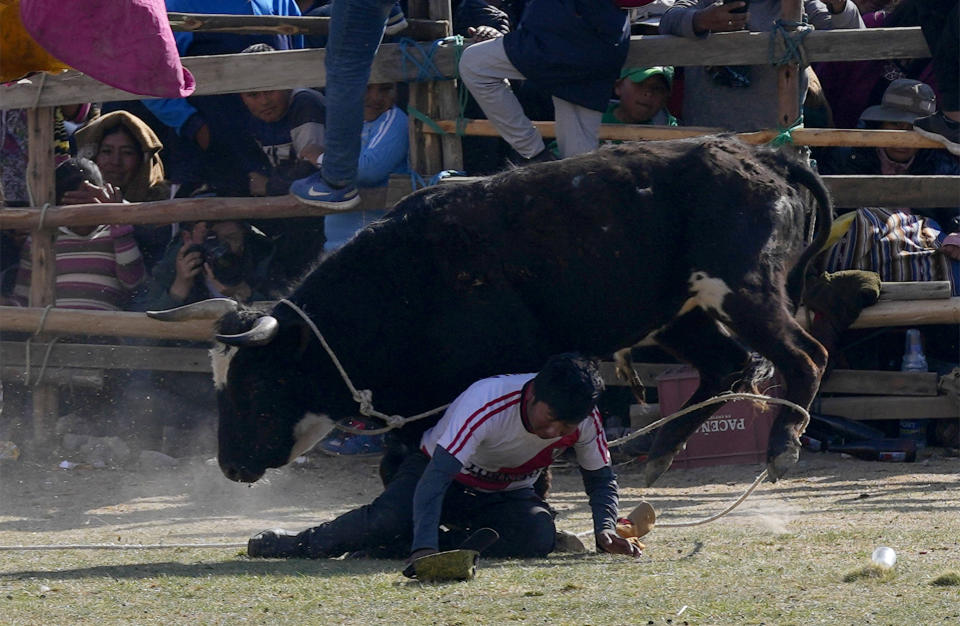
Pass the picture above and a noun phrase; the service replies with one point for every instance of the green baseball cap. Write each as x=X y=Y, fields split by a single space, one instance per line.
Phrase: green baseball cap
x=640 y=74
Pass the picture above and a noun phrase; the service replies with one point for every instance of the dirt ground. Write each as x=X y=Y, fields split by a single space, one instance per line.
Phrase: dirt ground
x=43 y=504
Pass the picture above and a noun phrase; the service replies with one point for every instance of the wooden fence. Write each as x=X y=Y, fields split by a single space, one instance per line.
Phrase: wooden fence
x=430 y=152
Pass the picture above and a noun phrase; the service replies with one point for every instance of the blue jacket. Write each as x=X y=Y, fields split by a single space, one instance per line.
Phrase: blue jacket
x=571 y=49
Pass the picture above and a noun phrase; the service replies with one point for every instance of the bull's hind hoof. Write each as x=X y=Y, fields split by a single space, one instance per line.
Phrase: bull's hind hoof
x=275 y=544
x=778 y=466
x=655 y=467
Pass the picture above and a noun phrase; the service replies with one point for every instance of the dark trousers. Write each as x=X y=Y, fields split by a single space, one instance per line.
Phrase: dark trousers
x=939 y=23
x=384 y=528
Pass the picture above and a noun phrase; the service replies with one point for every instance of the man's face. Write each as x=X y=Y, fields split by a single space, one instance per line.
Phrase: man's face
x=639 y=102
x=118 y=158
x=267 y=106
x=230 y=233
x=378 y=99
x=898 y=155
x=542 y=421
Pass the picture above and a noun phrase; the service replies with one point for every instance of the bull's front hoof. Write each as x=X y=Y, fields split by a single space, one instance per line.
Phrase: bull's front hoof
x=655 y=467
x=779 y=465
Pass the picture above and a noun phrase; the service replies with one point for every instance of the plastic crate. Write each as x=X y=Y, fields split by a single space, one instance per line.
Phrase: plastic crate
x=736 y=433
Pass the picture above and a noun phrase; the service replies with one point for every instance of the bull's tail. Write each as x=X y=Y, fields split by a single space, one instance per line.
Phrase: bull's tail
x=798 y=173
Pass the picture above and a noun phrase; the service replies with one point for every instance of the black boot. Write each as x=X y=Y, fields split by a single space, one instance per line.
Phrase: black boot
x=276 y=543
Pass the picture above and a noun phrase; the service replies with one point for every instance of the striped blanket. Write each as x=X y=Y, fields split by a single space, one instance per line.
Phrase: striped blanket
x=899 y=246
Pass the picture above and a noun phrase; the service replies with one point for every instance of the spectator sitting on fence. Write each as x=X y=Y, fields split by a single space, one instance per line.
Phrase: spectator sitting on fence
x=384 y=144
x=741 y=98
x=288 y=126
x=225 y=259
x=98 y=267
x=128 y=154
x=572 y=51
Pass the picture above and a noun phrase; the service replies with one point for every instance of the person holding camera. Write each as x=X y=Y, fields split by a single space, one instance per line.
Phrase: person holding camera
x=227 y=259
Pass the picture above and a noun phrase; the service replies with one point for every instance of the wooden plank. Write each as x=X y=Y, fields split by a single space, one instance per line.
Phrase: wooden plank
x=888 y=408
x=101 y=323
x=893 y=191
x=915 y=290
x=55 y=376
x=297 y=68
x=418 y=29
x=881 y=383
x=908 y=313
x=801 y=136
x=125 y=357
x=788 y=75
x=43 y=277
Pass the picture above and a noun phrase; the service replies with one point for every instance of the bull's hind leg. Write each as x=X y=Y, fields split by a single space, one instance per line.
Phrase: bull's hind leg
x=764 y=323
x=697 y=339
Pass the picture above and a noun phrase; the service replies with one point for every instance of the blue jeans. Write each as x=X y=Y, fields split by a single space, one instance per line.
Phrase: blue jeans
x=356 y=27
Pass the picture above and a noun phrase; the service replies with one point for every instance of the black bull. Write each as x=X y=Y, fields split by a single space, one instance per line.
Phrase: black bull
x=674 y=242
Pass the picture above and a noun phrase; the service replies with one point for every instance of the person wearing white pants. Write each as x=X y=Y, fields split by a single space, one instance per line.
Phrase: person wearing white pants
x=573 y=50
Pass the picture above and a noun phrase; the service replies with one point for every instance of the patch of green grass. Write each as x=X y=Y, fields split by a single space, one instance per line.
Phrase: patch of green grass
x=948 y=579
x=872 y=571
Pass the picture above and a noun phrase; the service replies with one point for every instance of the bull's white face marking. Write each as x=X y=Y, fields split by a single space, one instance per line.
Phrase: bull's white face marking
x=220 y=363
x=308 y=431
x=707 y=293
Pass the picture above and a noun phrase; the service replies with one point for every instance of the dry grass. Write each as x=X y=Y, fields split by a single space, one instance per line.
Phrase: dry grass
x=780 y=559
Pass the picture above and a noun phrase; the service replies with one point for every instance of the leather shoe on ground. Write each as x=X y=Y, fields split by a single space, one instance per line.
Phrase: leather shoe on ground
x=275 y=543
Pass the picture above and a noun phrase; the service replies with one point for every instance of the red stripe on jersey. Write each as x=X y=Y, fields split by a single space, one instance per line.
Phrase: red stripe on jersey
x=467 y=430
x=601 y=439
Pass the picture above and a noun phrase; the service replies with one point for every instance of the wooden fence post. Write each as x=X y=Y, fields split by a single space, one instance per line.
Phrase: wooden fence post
x=40 y=177
x=788 y=84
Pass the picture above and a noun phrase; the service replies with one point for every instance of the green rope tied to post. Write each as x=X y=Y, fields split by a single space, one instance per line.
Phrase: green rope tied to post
x=427 y=70
x=793 y=50
x=785 y=135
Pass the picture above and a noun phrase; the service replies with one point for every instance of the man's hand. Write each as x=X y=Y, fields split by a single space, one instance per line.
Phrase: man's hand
x=718 y=18
x=89 y=193
x=189 y=264
x=258 y=184
x=610 y=541
x=483 y=33
x=311 y=153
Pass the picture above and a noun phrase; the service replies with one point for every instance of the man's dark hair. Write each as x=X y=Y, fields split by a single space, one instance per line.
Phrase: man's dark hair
x=570 y=384
x=70 y=174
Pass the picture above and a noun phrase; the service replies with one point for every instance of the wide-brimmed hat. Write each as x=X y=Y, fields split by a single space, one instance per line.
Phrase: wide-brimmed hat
x=640 y=74
x=904 y=101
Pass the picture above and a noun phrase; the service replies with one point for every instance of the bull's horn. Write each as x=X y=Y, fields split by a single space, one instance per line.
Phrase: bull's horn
x=203 y=310
x=262 y=332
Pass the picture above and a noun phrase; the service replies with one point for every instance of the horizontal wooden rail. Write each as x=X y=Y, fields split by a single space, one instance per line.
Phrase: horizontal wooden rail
x=160 y=358
x=305 y=68
x=76 y=322
x=816 y=137
x=418 y=29
x=847 y=191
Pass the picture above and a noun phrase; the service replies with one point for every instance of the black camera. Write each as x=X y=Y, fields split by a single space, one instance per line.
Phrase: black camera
x=227 y=266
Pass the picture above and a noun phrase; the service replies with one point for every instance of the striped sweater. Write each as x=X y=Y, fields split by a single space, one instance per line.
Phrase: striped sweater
x=96 y=271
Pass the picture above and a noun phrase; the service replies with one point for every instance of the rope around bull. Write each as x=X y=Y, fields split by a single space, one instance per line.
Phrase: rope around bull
x=364 y=397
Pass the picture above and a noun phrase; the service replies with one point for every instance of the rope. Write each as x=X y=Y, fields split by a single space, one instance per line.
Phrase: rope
x=785 y=135
x=115 y=546
x=43 y=214
x=721 y=399
x=363 y=397
x=426 y=68
x=791 y=34
x=27 y=344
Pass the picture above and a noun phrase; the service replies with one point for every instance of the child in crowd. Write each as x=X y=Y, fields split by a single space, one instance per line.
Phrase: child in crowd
x=643 y=93
x=98 y=267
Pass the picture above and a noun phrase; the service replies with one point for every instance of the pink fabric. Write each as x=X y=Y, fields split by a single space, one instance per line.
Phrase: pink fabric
x=126 y=44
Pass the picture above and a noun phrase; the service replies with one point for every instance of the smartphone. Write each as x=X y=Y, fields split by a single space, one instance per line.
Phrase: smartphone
x=742 y=9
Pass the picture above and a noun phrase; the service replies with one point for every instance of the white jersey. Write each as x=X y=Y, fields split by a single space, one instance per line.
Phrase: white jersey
x=484 y=429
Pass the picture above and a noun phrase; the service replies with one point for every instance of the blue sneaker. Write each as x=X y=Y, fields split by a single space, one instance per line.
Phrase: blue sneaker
x=340 y=442
x=396 y=21
x=315 y=191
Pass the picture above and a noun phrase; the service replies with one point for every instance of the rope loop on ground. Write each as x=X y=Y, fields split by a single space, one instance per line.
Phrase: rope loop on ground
x=363 y=397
